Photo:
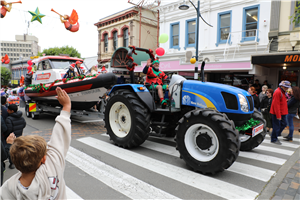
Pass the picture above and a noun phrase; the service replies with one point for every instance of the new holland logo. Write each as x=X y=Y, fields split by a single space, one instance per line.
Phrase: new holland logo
x=186 y=100
x=292 y=58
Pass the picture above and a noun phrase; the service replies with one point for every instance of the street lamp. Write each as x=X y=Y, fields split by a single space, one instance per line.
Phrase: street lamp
x=186 y=7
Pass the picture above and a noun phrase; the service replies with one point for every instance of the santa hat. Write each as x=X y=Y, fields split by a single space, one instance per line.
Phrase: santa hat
x=103 y=69
x=72 y=65
x=81 y=67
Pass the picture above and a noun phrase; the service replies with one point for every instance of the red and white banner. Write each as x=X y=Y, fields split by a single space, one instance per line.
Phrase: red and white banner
x=43 y=76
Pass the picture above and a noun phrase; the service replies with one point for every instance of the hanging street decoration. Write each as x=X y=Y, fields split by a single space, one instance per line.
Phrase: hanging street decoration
x=70 y=22
x=36 y=15
x=5 y=59
x=4 y=7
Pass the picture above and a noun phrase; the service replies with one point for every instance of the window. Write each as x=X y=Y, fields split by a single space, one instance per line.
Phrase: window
x=5 y=44
x=224 y=27
x=14 y=54
x=174 y=40
x=17 y=45
x=29 y=45
x=26 y=50
x=115 y=35
x=14 y=45
x=106 y=42
x=125 y=37
x=190 y=30
x=250 y=23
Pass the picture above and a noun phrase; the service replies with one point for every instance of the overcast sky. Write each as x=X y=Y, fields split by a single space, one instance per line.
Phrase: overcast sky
x=52 y=33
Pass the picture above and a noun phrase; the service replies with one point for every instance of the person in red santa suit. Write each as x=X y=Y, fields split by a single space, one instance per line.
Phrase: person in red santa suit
x=156 y=76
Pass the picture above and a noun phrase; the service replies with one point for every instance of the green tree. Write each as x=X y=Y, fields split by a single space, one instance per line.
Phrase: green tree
x=55 y=51
x=5 y=76
x=295 y=18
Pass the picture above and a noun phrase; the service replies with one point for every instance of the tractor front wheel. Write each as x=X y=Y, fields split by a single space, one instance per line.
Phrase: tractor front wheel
x=207 y=141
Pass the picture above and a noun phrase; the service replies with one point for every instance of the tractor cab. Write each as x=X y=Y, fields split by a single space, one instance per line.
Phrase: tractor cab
x=50 y=68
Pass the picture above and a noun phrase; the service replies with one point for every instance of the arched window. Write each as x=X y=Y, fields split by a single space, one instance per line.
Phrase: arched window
x=125 y=37
x=106 y=42
x=115 y=35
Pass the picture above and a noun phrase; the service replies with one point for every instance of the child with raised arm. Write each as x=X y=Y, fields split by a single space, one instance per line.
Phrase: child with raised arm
x=41 y=164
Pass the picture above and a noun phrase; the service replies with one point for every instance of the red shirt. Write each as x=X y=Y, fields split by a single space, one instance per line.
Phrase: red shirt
x=155 y=78
x=279 y=105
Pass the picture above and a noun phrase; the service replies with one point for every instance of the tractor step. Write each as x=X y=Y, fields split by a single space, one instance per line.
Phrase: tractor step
x=160 y=123
x=154 y=134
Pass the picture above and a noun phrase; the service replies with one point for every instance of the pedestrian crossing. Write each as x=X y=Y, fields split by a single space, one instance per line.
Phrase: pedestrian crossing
x=154 y=171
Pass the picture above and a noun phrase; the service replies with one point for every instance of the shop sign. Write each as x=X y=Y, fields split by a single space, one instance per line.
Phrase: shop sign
x=292 y=58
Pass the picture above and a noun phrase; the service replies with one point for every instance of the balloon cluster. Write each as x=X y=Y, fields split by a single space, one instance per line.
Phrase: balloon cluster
x=29 y=68
x=163 y=38
x=5 y=59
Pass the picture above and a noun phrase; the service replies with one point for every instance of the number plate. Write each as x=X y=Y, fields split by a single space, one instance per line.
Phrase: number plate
x=258 y=129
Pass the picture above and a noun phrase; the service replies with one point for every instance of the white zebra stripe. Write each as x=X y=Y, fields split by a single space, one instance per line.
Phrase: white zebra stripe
x=205 y=183
x=130 y=186
x=275 y=149
x=237 y=167
x=71 y=195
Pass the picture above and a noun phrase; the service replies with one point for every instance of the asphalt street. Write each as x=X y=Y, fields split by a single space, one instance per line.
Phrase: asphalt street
x=98 y=169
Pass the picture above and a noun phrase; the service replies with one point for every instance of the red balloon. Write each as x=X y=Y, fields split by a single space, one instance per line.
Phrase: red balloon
x=29 y=62
x=29 y=68
x=2 y=60
x=160 y=51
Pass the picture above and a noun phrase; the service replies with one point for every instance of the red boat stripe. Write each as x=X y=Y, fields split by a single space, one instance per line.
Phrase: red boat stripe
x=68 y=90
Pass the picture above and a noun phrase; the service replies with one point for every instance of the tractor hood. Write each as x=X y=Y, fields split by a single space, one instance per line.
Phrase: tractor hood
x=221 y=97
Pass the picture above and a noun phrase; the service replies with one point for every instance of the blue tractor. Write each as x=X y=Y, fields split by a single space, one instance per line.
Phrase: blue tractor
x=202 y=116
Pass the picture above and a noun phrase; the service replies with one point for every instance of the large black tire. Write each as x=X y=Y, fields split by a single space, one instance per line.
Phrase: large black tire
x=28 y=114
x=247 y=142
x=207 y=141
x=127 y=120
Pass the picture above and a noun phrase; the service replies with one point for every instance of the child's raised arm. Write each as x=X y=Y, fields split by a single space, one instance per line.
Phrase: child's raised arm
x=59 y=143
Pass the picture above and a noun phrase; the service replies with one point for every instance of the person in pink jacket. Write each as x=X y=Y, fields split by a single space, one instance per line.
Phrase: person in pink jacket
x=41 y=165
x=279 y=110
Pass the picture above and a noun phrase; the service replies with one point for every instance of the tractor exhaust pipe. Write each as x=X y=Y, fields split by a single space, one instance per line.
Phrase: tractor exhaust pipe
x=202 y=71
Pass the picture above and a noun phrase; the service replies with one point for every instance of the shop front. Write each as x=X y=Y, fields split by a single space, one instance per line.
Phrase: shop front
x=235 y=74
x=282 y=66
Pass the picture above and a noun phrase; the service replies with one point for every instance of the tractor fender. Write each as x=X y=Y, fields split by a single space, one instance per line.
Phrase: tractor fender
x=144 y=95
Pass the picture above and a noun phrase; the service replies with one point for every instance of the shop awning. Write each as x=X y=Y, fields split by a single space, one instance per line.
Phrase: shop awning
x=290 y=59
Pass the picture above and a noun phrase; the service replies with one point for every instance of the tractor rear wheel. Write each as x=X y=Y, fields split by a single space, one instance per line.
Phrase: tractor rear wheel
x=127 y=120
x=207 y=141
x=247 y=142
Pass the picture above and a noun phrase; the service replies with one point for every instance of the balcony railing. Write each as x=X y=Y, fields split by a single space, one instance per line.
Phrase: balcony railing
x=240 y=38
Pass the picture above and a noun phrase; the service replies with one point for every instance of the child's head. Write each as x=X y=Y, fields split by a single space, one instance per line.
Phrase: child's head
x=27 y=152
x=12 y=108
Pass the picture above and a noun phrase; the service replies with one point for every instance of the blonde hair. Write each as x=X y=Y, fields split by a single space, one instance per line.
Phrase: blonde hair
x=265 y=86
x=27 y=152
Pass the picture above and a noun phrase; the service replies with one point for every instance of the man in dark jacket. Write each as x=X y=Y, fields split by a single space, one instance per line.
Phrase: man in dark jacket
x=5 y=152
x=15 y=123
x=4 y=112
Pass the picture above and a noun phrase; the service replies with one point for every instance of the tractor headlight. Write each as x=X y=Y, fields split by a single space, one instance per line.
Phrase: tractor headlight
x=243 y=103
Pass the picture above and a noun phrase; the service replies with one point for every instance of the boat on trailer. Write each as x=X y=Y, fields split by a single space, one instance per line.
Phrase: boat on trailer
x=84 y=90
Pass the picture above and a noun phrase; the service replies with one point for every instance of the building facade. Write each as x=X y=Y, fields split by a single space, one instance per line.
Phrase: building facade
x=240 y=29
x=283 y=61
x=25 y=46
x=133 y=26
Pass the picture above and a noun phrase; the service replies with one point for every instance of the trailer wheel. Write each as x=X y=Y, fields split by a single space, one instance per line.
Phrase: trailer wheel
x=247 y=142
x=127 y=120
x=28 y=114
x=34 y=115
x=207 y=141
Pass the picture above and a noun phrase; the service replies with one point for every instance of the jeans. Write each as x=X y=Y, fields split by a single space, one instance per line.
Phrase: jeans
x=290 y=118
x=278 y=126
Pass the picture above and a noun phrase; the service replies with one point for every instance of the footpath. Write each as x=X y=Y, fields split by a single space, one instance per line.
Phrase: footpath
x=286 y=184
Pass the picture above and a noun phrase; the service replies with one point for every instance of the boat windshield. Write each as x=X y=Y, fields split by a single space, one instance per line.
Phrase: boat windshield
x=63 y=64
